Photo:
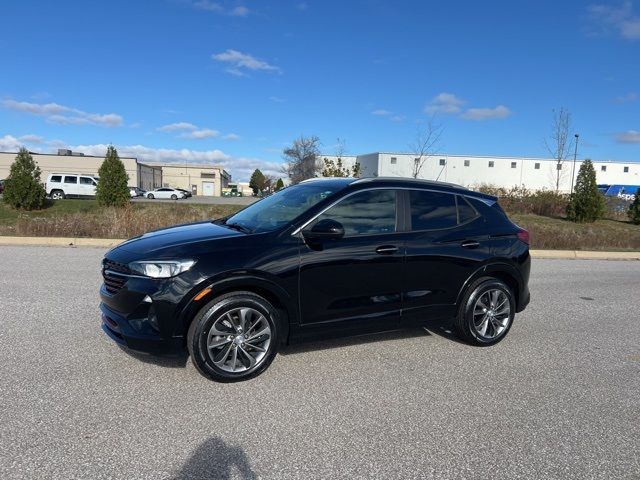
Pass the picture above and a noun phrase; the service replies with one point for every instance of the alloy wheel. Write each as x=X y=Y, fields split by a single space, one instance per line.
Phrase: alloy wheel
x=491 y=314
x=239 y=340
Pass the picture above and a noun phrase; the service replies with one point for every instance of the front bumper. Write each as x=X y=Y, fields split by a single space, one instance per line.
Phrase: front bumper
x=134 y=335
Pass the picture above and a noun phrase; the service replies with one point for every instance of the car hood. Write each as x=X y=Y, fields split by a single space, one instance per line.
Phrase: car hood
x=179 y=236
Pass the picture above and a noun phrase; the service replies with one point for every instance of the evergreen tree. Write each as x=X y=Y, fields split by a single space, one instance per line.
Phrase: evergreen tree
x=23 y=188
x=256 y=183
x=112 y=189
x=279 y=184
x=587 y=203
x=634 y=210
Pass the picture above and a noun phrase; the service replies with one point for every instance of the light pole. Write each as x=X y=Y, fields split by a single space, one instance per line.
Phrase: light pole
x=575 y=155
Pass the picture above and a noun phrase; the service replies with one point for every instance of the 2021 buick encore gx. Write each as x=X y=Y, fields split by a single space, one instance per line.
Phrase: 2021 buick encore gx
x=338 y=255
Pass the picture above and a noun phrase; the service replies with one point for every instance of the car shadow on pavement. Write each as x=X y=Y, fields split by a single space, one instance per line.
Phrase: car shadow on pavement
x=215 y=460
x=178 y=360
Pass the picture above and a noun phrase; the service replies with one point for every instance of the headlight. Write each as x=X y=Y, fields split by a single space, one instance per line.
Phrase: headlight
x=161 y=268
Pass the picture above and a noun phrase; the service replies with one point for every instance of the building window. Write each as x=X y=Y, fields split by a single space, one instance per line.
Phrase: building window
x=558 y=166
x=514 y=164
x=536 y=166
x=443 y=162
x=467 y=163
x=626 y=169
x=394 y=160
x=490 y=163
x=603 y=168
x=207 y=175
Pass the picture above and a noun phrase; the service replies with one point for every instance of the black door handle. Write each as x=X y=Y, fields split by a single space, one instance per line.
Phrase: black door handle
x=470 y=244
x=386 y=249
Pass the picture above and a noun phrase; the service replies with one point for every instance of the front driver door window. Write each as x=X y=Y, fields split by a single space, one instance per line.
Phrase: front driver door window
x=356 y=280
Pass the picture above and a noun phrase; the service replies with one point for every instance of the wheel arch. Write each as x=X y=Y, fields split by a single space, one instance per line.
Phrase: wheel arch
x=500 y=270
x=266 y=289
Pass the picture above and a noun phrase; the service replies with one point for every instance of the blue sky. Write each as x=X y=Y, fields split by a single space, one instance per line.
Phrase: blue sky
x=233 y=82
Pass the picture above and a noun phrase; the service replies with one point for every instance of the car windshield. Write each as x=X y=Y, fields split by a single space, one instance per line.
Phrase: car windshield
x=282 y=207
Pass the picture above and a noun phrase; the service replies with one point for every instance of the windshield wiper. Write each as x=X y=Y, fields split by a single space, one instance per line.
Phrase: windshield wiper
x=238 y=227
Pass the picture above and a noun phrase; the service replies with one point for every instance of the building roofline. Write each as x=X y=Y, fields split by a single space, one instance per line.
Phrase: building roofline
x=70 y=156
x=502 y=157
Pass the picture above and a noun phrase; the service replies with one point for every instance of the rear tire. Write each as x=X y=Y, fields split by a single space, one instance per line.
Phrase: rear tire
x=486 y=312
x=234 y=337
x=57 y=195
x=150 y=196
x=174 y=197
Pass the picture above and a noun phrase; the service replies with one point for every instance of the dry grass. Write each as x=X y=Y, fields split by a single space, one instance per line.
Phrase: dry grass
x=560 y=234
x=81 y=219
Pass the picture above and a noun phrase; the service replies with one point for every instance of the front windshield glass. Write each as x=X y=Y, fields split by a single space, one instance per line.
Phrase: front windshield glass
x=282 y=207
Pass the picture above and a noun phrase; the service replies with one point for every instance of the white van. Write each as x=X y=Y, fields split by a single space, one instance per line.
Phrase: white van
x=71 y=185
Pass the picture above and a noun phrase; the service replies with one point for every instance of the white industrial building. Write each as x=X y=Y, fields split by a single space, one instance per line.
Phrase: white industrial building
x=472 y=171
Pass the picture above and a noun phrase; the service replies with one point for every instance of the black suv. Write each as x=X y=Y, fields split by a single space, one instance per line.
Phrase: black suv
x=338 y=255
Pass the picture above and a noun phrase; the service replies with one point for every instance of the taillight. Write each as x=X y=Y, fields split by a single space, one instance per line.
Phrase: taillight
x=523 y=236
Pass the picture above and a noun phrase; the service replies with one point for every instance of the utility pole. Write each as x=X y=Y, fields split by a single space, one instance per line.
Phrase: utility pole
x=575 y=155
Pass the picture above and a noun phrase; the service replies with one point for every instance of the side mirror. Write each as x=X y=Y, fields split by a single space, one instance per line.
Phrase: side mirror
x=326 y=229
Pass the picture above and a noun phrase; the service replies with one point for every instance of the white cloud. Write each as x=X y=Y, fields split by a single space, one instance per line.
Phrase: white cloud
x=9 y=143
x=480 y=114
x=276 y=99
x=398 y=118
x=620 y=19
x=172 y=127
x=31 y=138
x=381 y=112
x=444 y=103
x=628 y=98
x=239 y=11
x=240 y=62
x=64 y=115
x=630 y=136
x=231 y=136
x=201 y=134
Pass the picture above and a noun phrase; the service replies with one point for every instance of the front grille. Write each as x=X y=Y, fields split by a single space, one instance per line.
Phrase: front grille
x=114 y=275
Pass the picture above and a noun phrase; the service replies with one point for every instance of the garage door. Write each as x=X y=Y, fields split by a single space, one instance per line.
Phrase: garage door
x=207 y=188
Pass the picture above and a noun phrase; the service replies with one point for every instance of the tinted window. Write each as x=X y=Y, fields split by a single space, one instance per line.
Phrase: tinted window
x=365 y=213
x=70 y=179
x=86 y=181
x=432 y=210
x=56 y=178
x=465 y=211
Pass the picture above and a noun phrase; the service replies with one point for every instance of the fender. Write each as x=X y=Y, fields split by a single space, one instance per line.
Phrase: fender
x=253 y=281
x=493 y=267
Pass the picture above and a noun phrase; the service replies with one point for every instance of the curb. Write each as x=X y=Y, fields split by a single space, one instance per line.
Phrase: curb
x=112 y=242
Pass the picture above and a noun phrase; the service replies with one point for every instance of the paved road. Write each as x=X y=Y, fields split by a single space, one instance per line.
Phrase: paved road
x=559 y=398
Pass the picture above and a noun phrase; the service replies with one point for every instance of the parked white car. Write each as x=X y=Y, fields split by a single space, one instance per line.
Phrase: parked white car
x=165 y=192
x=72 y=185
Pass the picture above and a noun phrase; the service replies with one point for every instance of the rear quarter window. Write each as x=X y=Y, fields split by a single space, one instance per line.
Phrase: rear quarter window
x=56 y=179
x=432 y=210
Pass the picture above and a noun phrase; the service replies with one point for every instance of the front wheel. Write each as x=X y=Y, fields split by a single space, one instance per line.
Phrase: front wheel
x=174 y=197
x=150 y=196
x=234 y=337
x=486 y=312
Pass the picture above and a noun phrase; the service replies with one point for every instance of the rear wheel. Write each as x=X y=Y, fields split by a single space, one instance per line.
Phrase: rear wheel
x=57 y=195
x=486 y=312
x=174 y=197
x=150 y=196
x=234 y=337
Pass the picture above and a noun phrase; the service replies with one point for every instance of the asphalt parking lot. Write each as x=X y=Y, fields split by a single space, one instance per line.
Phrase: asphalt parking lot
x=558 y=398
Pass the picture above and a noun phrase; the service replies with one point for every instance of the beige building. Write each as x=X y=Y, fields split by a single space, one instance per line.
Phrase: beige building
x=199 y=179
x=140 y=175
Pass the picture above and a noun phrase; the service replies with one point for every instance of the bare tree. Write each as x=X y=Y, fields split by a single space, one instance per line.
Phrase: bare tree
x=424 y=146
x=302 y=158
x=560 y=143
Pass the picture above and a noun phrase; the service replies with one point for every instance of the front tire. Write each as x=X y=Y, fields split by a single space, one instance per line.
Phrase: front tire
x=150 y=196
x=486 y=312
x=174 y=197
x=234 y=337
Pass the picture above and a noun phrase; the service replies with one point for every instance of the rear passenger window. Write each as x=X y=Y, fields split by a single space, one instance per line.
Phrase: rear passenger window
x=365 y=213
x=465 y=211
x=70 y=179
x=56 y=179
x=432 y=210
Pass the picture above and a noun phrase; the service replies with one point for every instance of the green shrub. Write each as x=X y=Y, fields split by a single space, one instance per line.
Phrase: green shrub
x=634 y=210
x=23 y=189
x=521 y=200
x=112 y=189
x=586 y=203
